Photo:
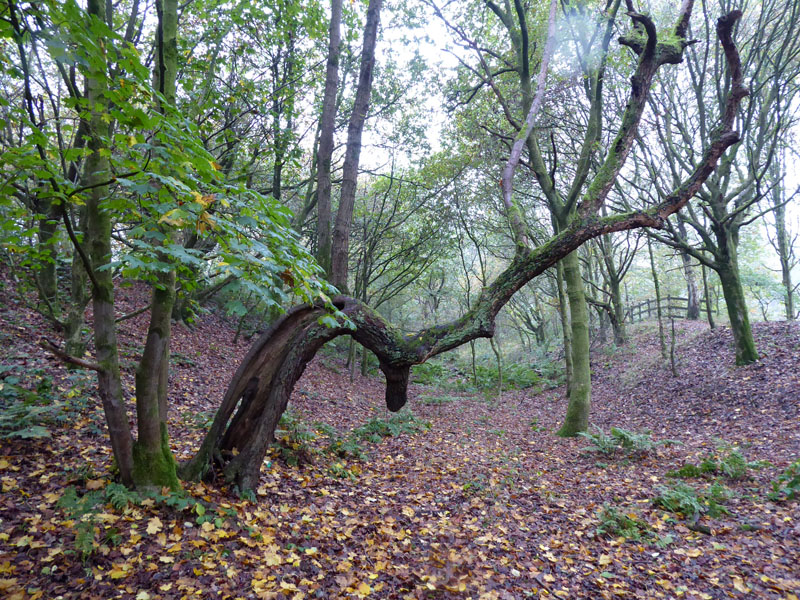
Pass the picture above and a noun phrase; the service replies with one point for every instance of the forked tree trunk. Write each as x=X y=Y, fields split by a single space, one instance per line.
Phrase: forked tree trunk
x=262 y=385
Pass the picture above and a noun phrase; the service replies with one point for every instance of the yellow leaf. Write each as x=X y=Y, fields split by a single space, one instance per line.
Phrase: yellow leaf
x=119 y=571
x=363 y=590
x=605 y=559
x=154 y=525
x=739 y=585
x=694 y=553
x=7 y=568
x=4 y=464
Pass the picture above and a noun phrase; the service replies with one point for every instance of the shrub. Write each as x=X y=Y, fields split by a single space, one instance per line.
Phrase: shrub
x=402 y=422
x=438 y=400
x=293 y=440
x=728 y=462
x=684 y=499
x=621 y=439
x=83 y=510
x=428 y=373
x=615 y=523
x=787 y=485
x=602 y=443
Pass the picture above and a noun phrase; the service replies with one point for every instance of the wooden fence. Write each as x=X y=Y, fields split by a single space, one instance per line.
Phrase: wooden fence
x=672 y=307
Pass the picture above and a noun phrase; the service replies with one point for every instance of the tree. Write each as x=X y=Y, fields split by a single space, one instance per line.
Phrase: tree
x=781 y=237
x=730 y=198
x=261 y=387
x=146 y=182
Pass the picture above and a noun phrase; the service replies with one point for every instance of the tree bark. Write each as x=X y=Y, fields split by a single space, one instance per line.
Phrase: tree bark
x=153 y=464
x=325 y=152
x=661 y=341
x=693 y=298
x=707 y=293
x=563 y=313
x=580 y=396
x=733 y=292
x=98 y=235
x=340 y=247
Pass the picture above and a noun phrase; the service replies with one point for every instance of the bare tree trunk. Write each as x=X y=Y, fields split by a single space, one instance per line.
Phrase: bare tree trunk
x=707 y=294
x=693 y=303
x=325 y=152
x=340 y=248
x=653 y=270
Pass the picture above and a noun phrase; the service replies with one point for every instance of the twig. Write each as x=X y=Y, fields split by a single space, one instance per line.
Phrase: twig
x=130 y=315
x=68 y=358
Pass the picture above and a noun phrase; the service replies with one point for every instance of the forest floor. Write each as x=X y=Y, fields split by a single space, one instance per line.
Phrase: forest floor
x=486 y=503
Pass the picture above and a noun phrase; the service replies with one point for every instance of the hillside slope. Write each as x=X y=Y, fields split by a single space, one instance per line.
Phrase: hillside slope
x=487 y=503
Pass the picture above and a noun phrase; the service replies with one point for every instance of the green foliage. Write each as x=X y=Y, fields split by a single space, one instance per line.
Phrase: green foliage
x=602 y=443
x=438 y=400
x=787 y=485
x=401 y=422
x=84 y=509
x=428 y=373
x=30 y=403
x=686 y=500
x=340 y=446
x=615 y=523
x=294 y=439
x=199 y=420
x=340 y=471
x=728 y=462
x=166 y=186
x=631 y=442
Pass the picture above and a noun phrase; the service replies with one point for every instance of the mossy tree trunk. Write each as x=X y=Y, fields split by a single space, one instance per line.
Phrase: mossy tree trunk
x=563 y=313
x=325 y=151
x=98 y=238
x=732 y=290
x=154 y=465
x=580 y=393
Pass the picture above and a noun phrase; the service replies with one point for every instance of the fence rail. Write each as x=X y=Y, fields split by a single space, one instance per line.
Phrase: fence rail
x=672 y=307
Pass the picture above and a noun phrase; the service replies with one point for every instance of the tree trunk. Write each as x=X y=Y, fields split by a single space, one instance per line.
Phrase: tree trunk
x=783 y=247
x=618 y=322
x=267 y=376
x=693 y=299
x=98 y=235
x=728 y=271
x=325 y=152
x=46 y=275
x=653 y=270
x=580 y=397
x=340 y=248
x=153 y=464
x=707 y=294
x=79 y=299
x=563 y=312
